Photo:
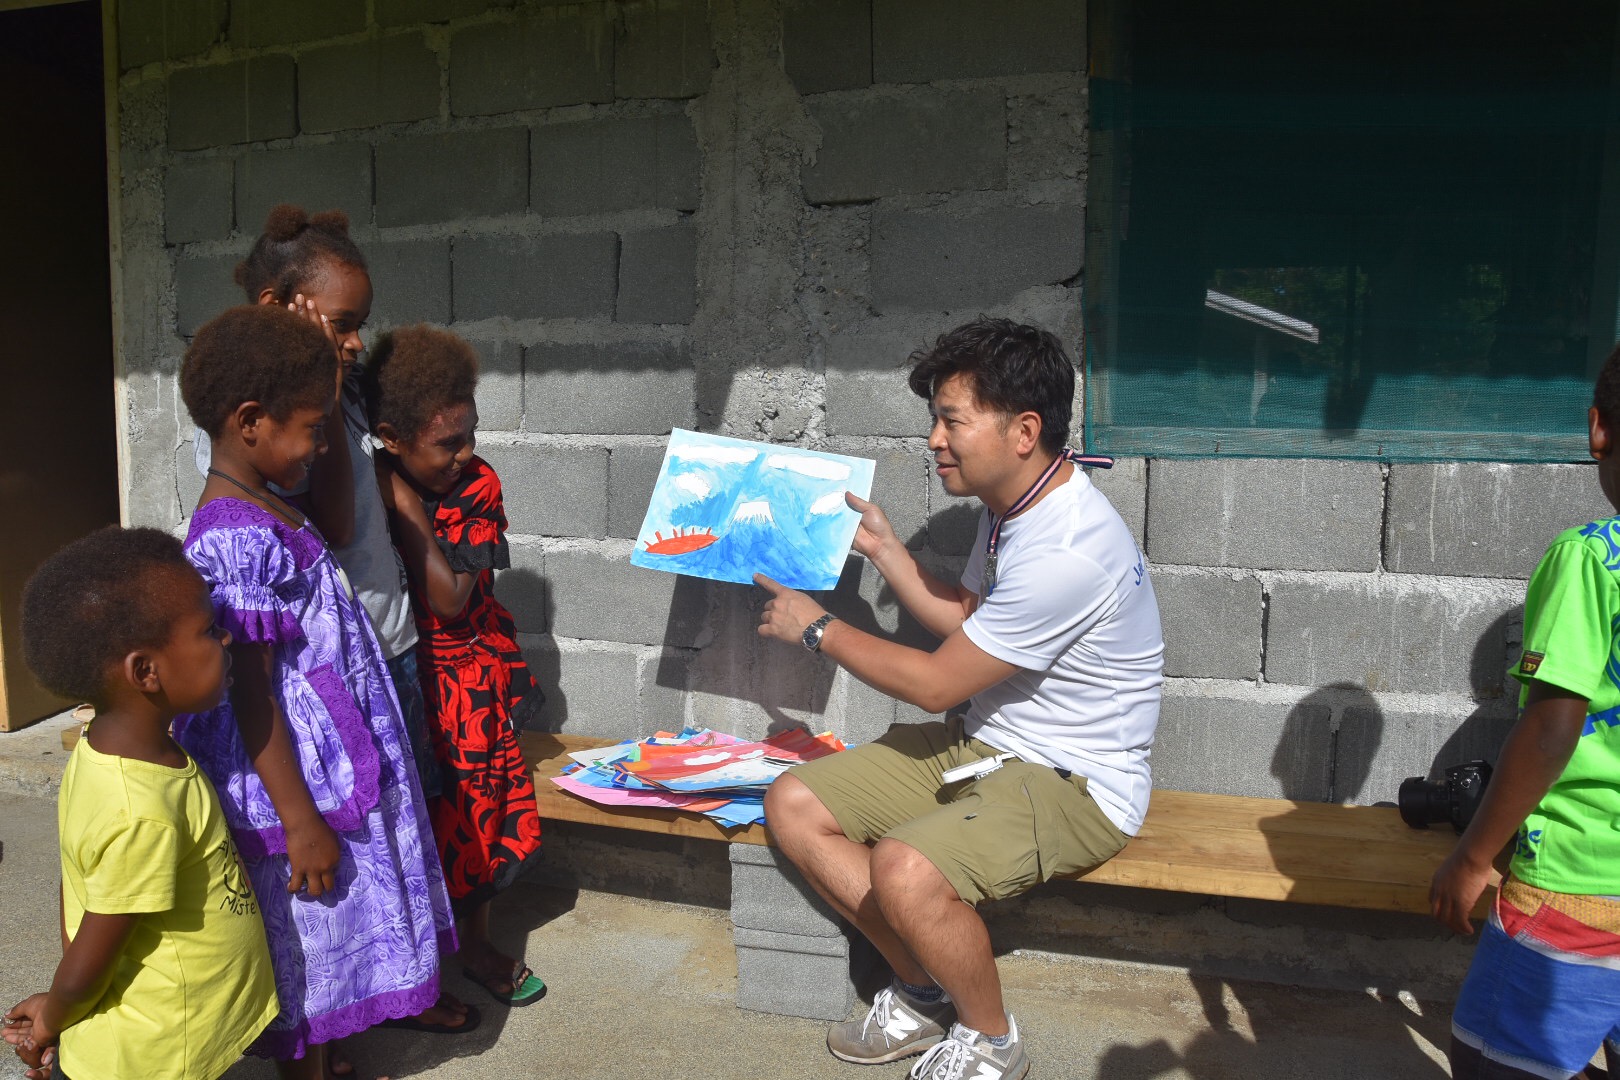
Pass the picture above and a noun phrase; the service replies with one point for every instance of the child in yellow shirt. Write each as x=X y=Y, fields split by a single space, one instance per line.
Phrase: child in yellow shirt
x=165 y=970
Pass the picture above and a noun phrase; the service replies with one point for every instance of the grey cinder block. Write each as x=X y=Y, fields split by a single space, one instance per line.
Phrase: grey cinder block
x=626 y=388
x=198 y=199
x=1390 y=634
x=410 y=281
x=599 y=595
x=336 y=176
x=632 y=474
x=523 y=587
x=412 y=12
x=246 y=101
x=664 y=51
x=790 y=975
x=658 y=276
x=769 y=893
x=367 y=83
x=1378 y=748
x=168 y=29
x=204 y=287
x=458 y=174
x=874 y=403
x=550 y=490
x=1211 y=624
x=558 y=56
x=554 y=276
x=1281 y=515
x=927 y=40
x=938 y=140
x=255 y=23
x=1476 y=520
x=500 y=385
x=1239 y=745
x=599 y=166
x=596 y=694
x=939 y=259
x=827 y=45
x=1125 y=485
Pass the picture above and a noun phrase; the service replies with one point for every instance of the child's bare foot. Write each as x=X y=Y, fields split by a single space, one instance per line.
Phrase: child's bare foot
x=447 y=1016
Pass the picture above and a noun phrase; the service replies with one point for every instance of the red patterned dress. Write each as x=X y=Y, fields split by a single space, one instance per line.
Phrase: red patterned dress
x=479 y=694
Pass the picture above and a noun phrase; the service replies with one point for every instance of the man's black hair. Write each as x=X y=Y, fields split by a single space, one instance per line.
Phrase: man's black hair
x=95 y=602
x=1013 y=368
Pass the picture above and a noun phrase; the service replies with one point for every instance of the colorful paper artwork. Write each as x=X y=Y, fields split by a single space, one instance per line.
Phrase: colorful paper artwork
x=703 y=771
x=726 y=509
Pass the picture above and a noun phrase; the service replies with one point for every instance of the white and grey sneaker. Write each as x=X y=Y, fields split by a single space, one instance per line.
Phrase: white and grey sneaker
x=895 y=1027
x=968 y=1055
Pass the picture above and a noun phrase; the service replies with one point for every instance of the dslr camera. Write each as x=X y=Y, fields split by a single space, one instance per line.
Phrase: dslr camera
x=1423 y=802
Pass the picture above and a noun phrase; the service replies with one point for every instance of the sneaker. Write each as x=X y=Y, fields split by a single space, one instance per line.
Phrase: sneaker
x=895 y=1027
x=968 y=1055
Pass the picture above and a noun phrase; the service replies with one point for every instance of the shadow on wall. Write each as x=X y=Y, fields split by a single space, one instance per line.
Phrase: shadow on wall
x=1305 y=765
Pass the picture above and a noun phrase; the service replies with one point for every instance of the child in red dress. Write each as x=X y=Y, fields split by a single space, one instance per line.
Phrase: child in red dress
x=449 y=524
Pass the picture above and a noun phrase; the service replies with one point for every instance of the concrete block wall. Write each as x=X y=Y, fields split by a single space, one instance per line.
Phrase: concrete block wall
x=742 y=218
x=644 y=214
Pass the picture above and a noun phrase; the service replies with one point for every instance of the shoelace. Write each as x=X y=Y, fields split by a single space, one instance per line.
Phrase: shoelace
x=879 y=1012
x=947 y=1060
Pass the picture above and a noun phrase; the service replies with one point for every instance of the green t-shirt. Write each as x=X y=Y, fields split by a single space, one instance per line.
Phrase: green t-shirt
x=1571 y=841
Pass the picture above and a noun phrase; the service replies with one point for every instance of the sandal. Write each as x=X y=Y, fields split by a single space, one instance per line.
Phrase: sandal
x=527 y=987
x=411 y=1023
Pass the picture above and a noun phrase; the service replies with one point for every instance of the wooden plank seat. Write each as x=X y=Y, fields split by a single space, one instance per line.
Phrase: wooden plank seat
x=1222 y=845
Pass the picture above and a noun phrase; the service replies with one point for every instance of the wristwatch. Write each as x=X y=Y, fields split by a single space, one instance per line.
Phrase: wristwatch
x=812 y=633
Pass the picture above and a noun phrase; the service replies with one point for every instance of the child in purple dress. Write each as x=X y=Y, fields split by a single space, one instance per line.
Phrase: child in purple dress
x=308 y=752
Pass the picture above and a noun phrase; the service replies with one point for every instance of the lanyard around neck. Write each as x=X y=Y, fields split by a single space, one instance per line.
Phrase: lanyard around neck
x=993 y=540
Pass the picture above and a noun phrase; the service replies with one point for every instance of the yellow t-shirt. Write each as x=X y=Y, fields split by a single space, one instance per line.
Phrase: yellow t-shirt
x=193 y=986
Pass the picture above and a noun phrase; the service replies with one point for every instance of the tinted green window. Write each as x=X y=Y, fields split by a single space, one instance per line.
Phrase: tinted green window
x=1366 y=229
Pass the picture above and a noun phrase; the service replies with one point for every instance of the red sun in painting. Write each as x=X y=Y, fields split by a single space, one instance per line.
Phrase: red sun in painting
x=679 y=543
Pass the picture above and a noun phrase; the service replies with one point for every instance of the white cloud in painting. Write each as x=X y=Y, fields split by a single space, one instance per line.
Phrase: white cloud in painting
x=820 y=468
x=720 y=455
x=757 y=510
x=830 y=503
x=693 y=484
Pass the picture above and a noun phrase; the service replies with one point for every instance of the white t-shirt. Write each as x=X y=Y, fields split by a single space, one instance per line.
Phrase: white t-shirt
x=1073 y=608
x=369 y=561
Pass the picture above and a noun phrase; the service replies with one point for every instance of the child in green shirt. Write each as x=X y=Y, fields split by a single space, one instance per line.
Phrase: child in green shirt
x=1543 y=991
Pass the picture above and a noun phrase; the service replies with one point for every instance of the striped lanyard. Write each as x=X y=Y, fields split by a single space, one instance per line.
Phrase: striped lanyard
x=993 y=540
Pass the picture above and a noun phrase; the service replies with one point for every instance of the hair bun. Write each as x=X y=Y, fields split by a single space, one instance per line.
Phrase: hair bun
x=285 y=222
x=331 y=221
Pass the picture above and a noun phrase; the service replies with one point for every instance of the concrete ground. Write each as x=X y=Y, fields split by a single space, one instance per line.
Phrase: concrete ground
x=642 y=990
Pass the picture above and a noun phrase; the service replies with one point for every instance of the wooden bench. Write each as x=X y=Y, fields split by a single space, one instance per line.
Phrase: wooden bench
x=793 y=956
x=1220 y=845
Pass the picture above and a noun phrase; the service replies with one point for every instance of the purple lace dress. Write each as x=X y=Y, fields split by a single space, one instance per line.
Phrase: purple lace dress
x=369 y=950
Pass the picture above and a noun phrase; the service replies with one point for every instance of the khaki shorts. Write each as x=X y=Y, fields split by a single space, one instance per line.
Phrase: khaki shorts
x=992 y=838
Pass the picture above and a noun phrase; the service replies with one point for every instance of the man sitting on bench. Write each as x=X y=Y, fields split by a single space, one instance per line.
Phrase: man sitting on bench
x=1053 y=639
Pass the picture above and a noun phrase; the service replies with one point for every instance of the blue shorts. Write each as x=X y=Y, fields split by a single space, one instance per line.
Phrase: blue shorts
x=1543 y=992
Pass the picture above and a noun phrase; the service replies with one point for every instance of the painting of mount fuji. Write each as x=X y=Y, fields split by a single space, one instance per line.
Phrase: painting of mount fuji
x=728 y=509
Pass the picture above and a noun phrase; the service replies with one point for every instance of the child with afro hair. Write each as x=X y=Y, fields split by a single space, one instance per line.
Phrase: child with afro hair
x=164 y=969
x=450 y=525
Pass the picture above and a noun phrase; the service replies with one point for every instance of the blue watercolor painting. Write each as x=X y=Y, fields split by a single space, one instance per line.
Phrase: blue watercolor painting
x=727 y=509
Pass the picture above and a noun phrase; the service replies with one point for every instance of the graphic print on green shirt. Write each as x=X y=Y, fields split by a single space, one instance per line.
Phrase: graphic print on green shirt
x=1571 y=841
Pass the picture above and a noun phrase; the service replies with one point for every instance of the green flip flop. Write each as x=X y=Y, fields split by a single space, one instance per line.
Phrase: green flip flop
x=527 y=987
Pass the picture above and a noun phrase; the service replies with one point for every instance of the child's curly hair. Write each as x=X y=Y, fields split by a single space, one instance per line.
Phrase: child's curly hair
x=292 y=251
x=257 y=352
x=414 y=374
x=96 y=601
x=1606 y=394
